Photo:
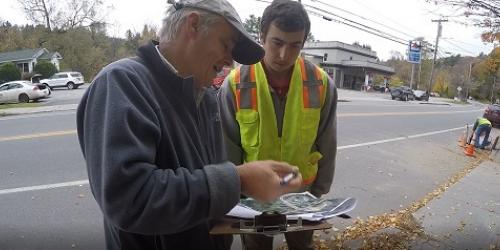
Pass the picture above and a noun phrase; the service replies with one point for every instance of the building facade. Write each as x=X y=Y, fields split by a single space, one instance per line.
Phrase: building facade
x=350 y=66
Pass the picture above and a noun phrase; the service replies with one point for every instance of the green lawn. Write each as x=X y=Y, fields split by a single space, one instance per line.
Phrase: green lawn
x=19 y=105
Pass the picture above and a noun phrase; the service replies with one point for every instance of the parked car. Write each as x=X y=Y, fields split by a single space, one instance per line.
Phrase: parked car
x=492 y=113
x=21 y=91
x=403 y=93
x=69 y=80
x=421 y=95
x=217 y=81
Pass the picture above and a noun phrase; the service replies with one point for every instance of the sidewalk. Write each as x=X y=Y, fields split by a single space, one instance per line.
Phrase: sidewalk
x=461 y=213
x=347 y=95
x=467 y=215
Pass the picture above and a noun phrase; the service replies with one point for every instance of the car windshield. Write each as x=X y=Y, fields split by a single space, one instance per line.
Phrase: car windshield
x=76 y=75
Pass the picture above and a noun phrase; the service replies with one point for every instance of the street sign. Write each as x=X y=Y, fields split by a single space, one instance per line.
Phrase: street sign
x=414 y=51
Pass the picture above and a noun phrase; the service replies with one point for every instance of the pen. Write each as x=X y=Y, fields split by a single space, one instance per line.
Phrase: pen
x=288 y=178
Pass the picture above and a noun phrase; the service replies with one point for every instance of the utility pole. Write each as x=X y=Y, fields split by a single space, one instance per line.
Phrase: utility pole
x=493 y=89
x=440 y=27
x=470 y=83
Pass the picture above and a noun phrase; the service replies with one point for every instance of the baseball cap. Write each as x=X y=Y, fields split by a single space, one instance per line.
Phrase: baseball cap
x=246 y=50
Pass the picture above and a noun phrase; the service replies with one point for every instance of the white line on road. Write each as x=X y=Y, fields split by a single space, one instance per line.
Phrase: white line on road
x=86 y=182
x=446 y=112
x=399 y=138
x=44 y=187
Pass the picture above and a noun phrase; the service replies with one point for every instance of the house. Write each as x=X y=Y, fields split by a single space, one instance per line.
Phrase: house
x=26 y=59
x=350 y=66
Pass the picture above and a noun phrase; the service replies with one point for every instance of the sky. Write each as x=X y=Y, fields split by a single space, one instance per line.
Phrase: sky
x=405 y=19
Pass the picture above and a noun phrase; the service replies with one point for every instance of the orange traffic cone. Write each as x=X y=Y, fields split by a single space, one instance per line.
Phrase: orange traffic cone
x=469 y=150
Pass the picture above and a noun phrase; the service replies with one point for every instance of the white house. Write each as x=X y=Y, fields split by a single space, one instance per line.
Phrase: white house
x=26 y=59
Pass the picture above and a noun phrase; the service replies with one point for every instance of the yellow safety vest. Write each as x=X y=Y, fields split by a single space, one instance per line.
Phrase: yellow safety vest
x=483 y=121
x=257 y=119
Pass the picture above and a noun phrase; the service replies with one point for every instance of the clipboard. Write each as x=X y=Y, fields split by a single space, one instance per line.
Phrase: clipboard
x=267 y=223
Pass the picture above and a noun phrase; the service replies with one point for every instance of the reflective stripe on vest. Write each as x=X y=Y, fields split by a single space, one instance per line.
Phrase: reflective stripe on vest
x=257 y=119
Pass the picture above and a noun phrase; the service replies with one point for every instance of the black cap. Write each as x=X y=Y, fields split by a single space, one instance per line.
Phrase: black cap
x=246 y=50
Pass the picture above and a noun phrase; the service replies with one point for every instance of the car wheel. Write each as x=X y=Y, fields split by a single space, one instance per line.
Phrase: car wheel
x=24 y=98
x=70 y=85
x=49 y=88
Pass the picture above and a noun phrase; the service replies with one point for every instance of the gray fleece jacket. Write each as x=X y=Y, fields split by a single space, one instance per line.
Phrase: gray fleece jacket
x=154 y=157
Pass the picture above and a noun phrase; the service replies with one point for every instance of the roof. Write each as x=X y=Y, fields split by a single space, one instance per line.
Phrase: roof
x=50 y=55
x=22 y=55
x=362 y=64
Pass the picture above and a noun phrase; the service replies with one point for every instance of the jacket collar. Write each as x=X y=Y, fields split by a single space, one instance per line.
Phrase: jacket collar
x=166 y=77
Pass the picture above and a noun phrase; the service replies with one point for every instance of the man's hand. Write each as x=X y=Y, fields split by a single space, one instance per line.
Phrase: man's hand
x=261 y=179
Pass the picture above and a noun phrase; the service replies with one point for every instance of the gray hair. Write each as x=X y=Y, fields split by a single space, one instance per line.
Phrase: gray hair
x=174 y=18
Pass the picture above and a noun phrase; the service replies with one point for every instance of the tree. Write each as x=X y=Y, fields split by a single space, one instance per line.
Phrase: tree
x=9 y=72
x=45 y=68
x=310 y=38
x=442 y=84
x=63 y=14
x=252 y=25
x=480 y=13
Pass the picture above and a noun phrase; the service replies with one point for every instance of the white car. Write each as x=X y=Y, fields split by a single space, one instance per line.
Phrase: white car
x=21 y=91
x=69 y=80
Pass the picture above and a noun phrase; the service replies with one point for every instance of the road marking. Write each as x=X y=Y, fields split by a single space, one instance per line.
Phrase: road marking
x=448 y=112
x=44 y=187
x=399 y=138
x=39 y=135
x=86 y=182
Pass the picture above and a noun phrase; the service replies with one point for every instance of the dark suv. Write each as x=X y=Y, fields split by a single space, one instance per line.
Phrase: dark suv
x=403 y=93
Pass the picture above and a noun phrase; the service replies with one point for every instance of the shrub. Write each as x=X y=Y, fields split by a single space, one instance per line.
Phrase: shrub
x=9 y=72
x=45 y=68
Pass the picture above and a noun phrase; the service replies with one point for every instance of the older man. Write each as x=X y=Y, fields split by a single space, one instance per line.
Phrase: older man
x=151 y=135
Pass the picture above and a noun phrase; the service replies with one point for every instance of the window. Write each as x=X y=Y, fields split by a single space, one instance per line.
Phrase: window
x=15 y=86
x=26 y=68
x=79 y=75
x=4 y=87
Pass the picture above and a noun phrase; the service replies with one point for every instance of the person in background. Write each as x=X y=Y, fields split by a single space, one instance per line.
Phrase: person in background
x=282 y=108
x=482 y=125
x=151 y=135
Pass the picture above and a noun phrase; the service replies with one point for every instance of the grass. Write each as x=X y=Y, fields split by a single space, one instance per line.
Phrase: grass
x=19 y=105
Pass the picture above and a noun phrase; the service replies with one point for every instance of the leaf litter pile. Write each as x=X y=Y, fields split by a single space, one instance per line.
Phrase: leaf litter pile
x=389 y=230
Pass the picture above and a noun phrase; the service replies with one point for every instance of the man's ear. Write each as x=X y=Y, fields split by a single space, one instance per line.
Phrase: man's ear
x=192 y=24
x=262 y=38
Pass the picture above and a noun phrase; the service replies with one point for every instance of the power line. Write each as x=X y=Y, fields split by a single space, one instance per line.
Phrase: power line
x=364 y=18
x=456 y=46
x=388 y=18
x=356 y=25
x=314 y=11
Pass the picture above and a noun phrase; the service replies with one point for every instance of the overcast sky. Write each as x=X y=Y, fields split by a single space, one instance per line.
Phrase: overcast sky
x=406 y=19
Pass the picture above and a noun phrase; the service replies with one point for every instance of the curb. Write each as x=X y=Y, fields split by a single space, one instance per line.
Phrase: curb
x=45 y=109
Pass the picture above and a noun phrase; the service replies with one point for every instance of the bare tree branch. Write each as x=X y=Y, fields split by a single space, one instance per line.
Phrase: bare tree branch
x=64 y=14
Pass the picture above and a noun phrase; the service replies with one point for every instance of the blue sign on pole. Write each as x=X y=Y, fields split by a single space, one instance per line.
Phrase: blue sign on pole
x=414 y=50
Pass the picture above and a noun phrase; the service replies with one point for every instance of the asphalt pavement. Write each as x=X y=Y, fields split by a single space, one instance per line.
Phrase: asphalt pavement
x=460 y=212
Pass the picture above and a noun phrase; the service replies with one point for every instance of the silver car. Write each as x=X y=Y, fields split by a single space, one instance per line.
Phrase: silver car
x=69 y=80
x=21 y=91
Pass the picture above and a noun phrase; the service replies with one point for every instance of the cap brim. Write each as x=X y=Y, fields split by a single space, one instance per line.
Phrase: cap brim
x=246 y=50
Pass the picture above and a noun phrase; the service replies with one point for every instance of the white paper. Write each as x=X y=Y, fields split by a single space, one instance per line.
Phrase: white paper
x=335 y=207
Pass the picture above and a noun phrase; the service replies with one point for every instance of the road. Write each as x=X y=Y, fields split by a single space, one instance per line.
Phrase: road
x=390 y=154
